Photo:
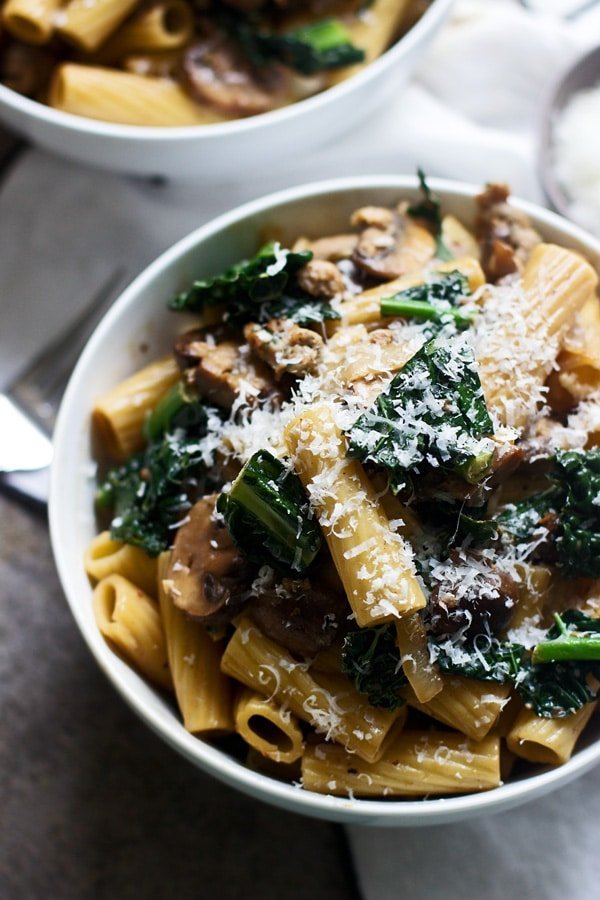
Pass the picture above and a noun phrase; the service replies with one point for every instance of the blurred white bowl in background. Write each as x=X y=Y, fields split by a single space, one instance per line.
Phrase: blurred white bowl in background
x=235 y=148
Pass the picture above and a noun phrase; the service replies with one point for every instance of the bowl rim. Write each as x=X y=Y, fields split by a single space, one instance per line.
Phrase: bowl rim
x=34 y=109
x=395 y=812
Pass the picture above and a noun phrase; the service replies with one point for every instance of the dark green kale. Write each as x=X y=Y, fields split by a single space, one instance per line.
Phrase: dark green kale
x=555 y=690
x=313 y=48
x=371 y=660
x=559 y=677
x=573 y=502
x=433 y=415
x=430 y=209
x=435 y=301
x=483 y=658
x=267 y=515
x=152 y=491
x=456 y=524
x=178 y=408
x=259 y=289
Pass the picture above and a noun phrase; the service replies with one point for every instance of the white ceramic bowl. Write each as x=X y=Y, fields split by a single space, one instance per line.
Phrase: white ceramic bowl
x=247 y=145
x=137 y=329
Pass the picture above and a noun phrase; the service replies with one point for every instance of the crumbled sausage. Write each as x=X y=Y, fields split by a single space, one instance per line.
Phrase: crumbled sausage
x=372 y=217
x=504 y=233
x=321 y=278
x=285 y=346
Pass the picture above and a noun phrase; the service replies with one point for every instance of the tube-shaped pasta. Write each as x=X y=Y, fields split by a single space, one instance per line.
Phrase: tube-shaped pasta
x=31 y=21
x=579 y=363
x=119 y=415
x=203 y=693
x=268 y=727
x=365 y=308
x=549 y=741
x=112 y=96
x=416 y=763
x=165 y=25
x=373 y=32
x=104 y=556
x=327 y=702
x=518 y=341
x=130 y=620
x=534 y=586
x=87 y=25
x=458 y=239
x=423 y=675
x=374 y=563
x=470 y=706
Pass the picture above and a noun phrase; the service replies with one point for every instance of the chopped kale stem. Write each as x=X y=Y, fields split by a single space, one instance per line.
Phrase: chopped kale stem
x=435 y=300
x=259 y=289
x=451 y=427
x=580 y=642
x=371 y=660
x=267 y=515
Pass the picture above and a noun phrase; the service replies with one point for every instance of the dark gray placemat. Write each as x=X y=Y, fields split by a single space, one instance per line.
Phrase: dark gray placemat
x=92 y=804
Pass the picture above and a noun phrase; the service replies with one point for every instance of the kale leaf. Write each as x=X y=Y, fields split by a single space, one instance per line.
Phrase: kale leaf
x=371 y=660
x=313 y=48
x=483 y=658
x=259 y=289
x=573 y=499
x=267 y=515
x=436 y=300
x=153 y=490
x=433 y=414
x=430 y=209
x=554 y=683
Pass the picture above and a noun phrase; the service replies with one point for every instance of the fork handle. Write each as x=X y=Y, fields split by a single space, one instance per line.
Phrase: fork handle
x=32 y=486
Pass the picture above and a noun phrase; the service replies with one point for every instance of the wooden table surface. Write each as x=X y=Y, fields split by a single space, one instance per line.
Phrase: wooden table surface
x=92 y=804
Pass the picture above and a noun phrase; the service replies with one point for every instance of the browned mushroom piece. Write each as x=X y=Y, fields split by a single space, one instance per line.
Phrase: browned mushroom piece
x=505 y=461
x=389 y=251
x=190 y=347
x=217 y=72
x=300 y=616
x=285 y=346
x=208 y=578
x=25 y=69
x=504 y=233
x=224 y=371
x=474 y=595
x=372 y=217
x=321 y=278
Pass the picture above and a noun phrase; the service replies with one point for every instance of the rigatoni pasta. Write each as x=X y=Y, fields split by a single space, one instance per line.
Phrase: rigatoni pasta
x=378 y=560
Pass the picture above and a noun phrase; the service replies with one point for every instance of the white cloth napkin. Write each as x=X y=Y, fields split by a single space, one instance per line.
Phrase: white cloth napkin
x=471 y=114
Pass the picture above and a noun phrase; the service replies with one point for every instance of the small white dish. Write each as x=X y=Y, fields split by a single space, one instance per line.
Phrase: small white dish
x=137 y=329
x=231 y=149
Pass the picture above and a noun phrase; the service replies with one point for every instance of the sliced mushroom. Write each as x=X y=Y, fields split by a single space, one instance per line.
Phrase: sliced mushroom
x=321 y=278
x=402 y=246
x=208 y=578
x=285 y=346
x=25 y=69
x=504 y=233
x=217 y=72
x=300 y=616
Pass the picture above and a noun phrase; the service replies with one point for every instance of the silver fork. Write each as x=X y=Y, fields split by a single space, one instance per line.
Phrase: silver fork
x=28 y=406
